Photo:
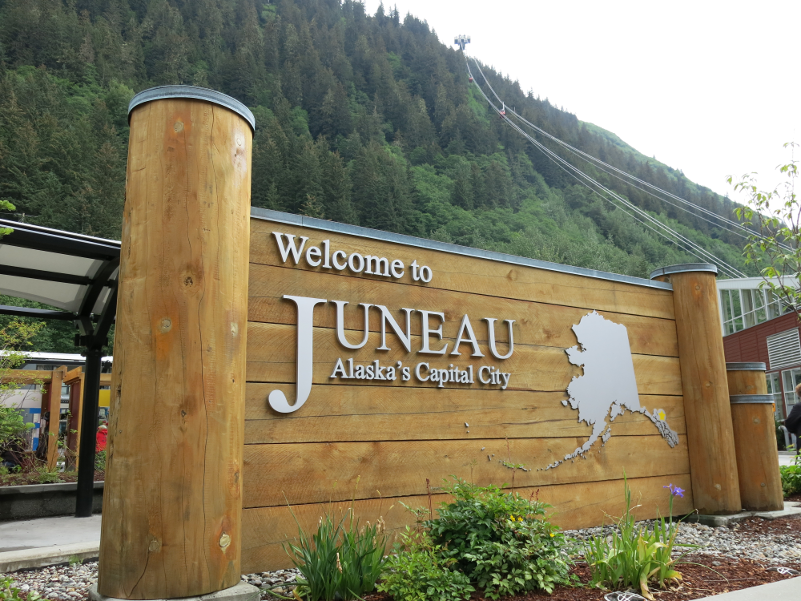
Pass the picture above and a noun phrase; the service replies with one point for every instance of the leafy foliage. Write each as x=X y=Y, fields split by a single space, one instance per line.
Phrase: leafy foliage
x=776 y=248
x=341 y=560
x=791 y=477
x=501 y=541
x=418 y=571
x=15 y=338
x=634 y=556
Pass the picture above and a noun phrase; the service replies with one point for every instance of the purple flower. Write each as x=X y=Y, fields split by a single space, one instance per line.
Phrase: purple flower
x=675 y=490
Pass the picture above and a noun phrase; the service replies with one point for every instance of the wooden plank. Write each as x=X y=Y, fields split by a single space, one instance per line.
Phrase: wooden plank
x=578 y=505
x=74 y=374
x=26 y=377
x=272 y=350
x=470 y=274
x=535 y=323
x=315 y=472
x=172 y=503
x=356 y=414
x=706 y=393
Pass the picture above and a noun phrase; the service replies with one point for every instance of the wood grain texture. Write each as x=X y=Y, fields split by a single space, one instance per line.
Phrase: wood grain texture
x=706 y=393
x=470 y=274
x=379 y=413
x=757 y=456
x=747 y=382
x=272 y=350
x=172 y=503
x=576 y=505
x=26 y=377
x=316 y=472
x=52 y=404
x=535 y=323
x=76 y=381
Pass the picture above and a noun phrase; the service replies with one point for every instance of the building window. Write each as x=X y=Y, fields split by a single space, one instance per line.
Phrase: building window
x=775 y=390
x=791 y=378
x=746 y=307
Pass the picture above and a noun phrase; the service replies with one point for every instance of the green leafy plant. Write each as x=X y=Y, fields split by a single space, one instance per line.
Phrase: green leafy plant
x=418 y=571
x=634 y=556
x=100 y=461
x=501 y=541
x=46 y=475
x=8 y=592
x=791 y=477
x=775 y=247
x=341 y=560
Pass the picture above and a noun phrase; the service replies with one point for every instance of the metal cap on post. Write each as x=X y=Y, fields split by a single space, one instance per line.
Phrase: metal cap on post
x=710 y=437
x=173 y=494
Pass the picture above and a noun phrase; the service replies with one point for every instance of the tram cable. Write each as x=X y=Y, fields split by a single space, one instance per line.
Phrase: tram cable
x=647 y=220
x=739 y=229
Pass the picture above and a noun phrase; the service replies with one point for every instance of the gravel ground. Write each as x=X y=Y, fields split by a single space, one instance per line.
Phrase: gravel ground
x=777 y=542
x=749 y=539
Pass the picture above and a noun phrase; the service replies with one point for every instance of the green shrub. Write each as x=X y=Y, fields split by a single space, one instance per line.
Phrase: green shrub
x=791 y=477
x=341 y=560
x=635 y=556
x=417 y=571
x=501 y=541
x=100 y=461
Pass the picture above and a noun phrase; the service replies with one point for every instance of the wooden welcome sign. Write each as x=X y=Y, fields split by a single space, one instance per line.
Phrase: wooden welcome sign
x=266 y=360
x=378 y=362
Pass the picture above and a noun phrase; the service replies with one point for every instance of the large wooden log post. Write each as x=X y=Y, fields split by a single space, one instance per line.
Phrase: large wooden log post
x=710 y=436
x=754 y=437
x=173 y=493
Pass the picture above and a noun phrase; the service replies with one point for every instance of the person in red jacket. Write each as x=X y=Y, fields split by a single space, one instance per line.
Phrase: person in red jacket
x=102 y=435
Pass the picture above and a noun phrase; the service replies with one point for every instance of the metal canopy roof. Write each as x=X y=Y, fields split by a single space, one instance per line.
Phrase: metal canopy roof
x=73 y=272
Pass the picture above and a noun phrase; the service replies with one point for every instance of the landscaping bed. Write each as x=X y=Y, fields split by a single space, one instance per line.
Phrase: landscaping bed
x=723 y=566
x=33 y=477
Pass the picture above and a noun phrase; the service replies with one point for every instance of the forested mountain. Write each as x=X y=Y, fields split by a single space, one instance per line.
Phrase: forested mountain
x=362 y=119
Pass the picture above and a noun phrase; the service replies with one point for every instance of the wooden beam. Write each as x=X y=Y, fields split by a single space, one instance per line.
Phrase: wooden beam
x=73 y=374
x=74 y=424
x=53 y=404
x=25 y=377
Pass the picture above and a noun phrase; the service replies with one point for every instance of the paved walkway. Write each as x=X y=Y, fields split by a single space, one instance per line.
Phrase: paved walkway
x=48 y=532
x=786 y=458
x=785 y=590
x=47 y=541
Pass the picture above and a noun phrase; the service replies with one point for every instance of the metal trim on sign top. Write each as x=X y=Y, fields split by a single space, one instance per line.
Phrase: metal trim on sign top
x=363 y=232
x=194 y=93
x=752 y=366
x=748 y=399
x=683 y=268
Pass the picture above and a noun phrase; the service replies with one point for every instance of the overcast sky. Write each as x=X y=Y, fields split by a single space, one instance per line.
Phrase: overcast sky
x=711 y=88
